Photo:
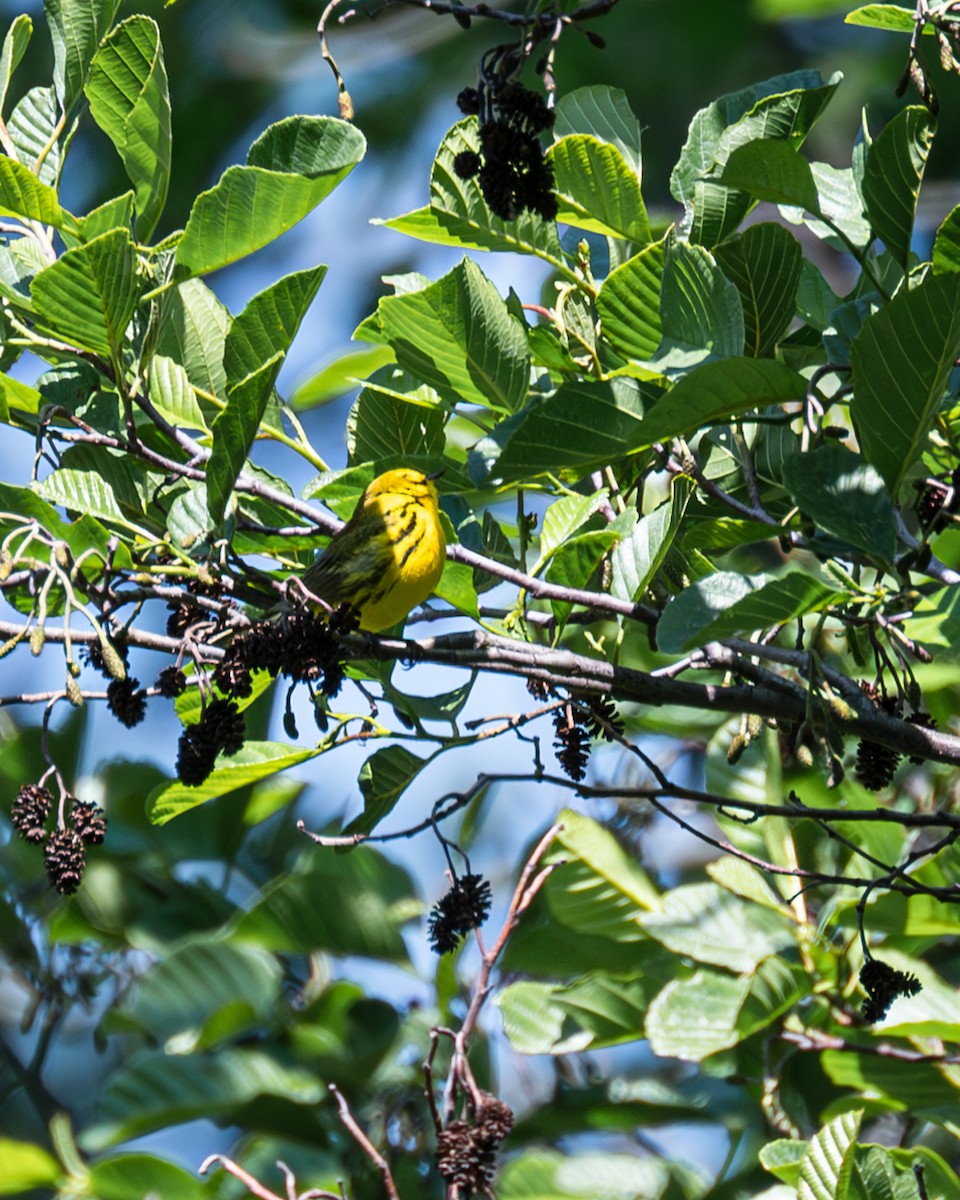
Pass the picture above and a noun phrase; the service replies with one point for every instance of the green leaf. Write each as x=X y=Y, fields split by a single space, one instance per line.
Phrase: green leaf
x=725 y=604
x=154 y=1089
x=601 y=890
x=784 y=108
x=844 y=497
x=596 y=189
x=923 y=1091
x=891 y=17
x=458 y=337
x=256 y=761
x=131 y=1176
x=392 y=428
x=604 y=112
x=112 y=214
x=936 y=619
x=76 y=28
x=89 y=295
x=946 y=245
x=458 y=214
x=32 y=127
x=629 y=304
x=637 y=558
x=23 y=195
x=826 y=1167
x=383 y=779
x=700 y=310
x=902 y=359
x=17 y=398
x=129 y=100
x=563 y=518
x=891 y=184
x=692 y=1018
x=194 y=333
x=15 y=42
x=269 y=323
x=25 y=1167
x=715 y=390
x=342 y=904
x=584 y=423
x=709 y=925
x=772 y=171
x=764 y=263
x=783 y=1158
x=290 y=168
x=343 y=375
x=551 y=1175
x=575 y=563
x=172 y=395
x=597 y=1010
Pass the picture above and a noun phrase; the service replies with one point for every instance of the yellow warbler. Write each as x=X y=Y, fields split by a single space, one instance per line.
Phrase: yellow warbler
x=389 y=555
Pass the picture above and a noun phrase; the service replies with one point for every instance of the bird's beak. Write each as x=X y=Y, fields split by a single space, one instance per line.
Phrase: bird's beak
x=434 y=475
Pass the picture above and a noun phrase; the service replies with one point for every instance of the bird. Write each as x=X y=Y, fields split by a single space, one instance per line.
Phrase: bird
x=389 y=556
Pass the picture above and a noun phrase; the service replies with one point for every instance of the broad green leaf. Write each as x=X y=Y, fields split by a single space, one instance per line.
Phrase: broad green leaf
x=844 y=497
x=457 y=587
x=194 y=332
x=902 y=359
x=936 y=619
x=826 y=1167
x=234 y=432
x=76 y=27
x=23 y=195
x=344 y=374
x=88 y=296
x=582 y=424
x=103 y=483
x=458 y=214
x=458 y=337
x=629 y=304
x=563 y=518
x=894 y=18
x=269 y=323
x=131 y=1176
x=891 y=185
x=152 y=1090
x=783 y=1158
x=112 y=214
x=597 y=1010
x=551 y=1175
x=764 y=263
x=941 y=1181
x=182 y=991
x=17 y=399
x=596 y=189
x=921 y=1091
x=742 y=878
x=709 y=925
x=25 y=1167
x=342 y=904
x=32 y=128
x=601 y=889
x=784 y=108
x=772 y=171
x=700 y=310
x=129 y=100
x=715 y=390
x=15 y=42
x=395 y=429
x=256 y=761
x=383 y=779
x=575 y=562
x=725 y=604
x=604 y=112
x=692 y=1018
x=290 y=168
x=637 y=558
x=172 y=395
x=946 y=245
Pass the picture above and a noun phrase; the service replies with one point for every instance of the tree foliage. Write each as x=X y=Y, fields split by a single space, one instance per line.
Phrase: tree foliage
x=700 y=497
